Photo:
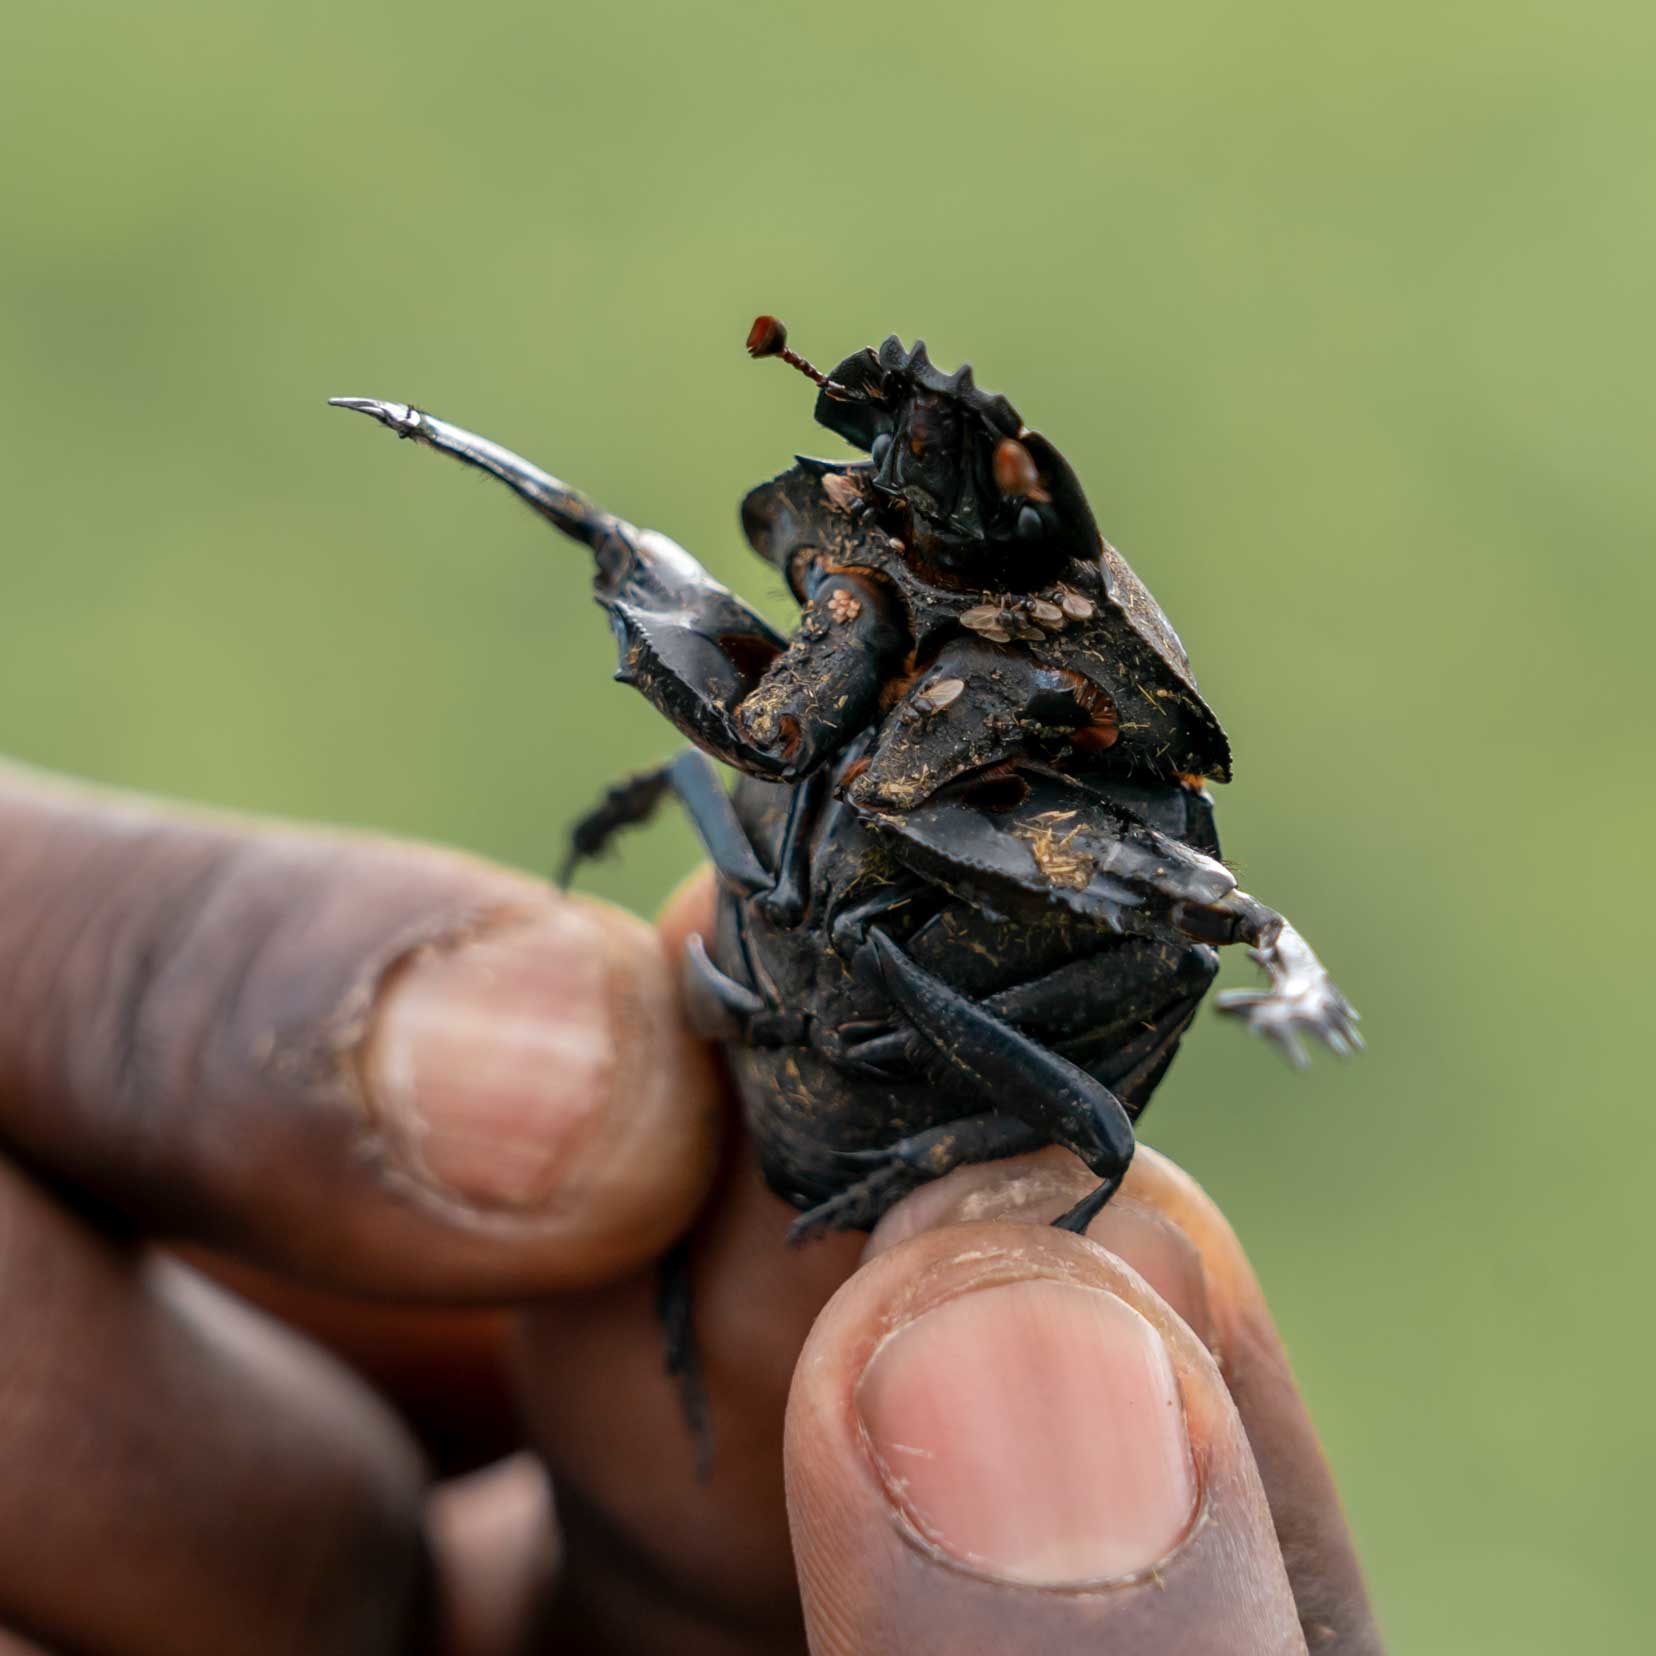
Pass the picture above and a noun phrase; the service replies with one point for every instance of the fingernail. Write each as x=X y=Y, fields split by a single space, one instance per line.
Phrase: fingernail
x=1033 y=1431
x=487 y=1062
x=1163 y=1255
x=1031 y=1191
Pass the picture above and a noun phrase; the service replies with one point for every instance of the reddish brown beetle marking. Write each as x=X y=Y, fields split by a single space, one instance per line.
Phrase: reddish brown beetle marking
x=1015 y=473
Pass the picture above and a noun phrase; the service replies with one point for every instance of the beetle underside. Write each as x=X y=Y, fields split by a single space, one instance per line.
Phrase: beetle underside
x=969 y=887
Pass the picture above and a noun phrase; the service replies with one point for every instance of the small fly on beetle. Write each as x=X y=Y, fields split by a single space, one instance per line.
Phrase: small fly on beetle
x=969 y=888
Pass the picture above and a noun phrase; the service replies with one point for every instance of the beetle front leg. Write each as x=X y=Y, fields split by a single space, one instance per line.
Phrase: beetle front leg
x=634 y=799
x=825 y=686
x=686 y=641
x=1302 y=997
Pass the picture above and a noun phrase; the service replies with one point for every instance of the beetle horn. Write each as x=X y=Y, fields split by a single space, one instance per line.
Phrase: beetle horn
x=570 y=510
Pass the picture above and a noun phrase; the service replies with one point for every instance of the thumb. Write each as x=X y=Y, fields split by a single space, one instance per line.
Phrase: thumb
x=999 y=1438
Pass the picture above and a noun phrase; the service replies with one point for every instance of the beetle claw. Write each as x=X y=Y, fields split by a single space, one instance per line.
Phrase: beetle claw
x=1302 y=1000
x=864 y=1158
x=399 y=417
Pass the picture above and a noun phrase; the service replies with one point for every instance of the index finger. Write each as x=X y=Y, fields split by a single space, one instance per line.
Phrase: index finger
x=376 y=1066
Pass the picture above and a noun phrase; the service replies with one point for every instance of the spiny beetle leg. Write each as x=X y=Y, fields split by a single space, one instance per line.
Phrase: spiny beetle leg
x=849 y=923
x=721 y=1009
x=857 y=1207
x=686 y=641
x=913 y=1161
x=1139 y=995
x=692 y=777
x=1025 y=1079
x=714 y=818
x=785 y=903
x=886 y=1054
x=625 y=804
x=939 y=1150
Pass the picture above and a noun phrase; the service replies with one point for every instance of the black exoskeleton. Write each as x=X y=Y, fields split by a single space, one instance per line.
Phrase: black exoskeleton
x=969 y=880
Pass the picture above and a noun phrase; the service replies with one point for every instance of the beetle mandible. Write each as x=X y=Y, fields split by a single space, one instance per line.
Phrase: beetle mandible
x=969 y=887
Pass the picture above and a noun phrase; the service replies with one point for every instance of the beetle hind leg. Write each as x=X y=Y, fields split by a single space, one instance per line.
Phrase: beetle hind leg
x=1057 y=1101
x=913 y=1161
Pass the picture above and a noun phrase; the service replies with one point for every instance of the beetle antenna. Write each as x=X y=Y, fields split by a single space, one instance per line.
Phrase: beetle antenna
x=769 y=337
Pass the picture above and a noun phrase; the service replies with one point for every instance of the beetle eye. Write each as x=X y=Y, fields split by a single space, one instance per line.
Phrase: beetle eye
x=880 y=448
x=1030 y=527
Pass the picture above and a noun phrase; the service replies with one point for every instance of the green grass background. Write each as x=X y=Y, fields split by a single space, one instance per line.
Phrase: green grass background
x=1343 y=314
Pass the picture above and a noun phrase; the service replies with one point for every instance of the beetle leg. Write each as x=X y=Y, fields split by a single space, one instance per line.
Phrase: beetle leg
x=913 y=1161
x=887 y=1055
x=721 y=1009
x=1301 y=1000
x=714 y=818
x=692 y=777
x=686 y=641
x=627 y=803
x=824 y=689
x=784 y=904
x=1064 y=1103
x=848 y=924
x=1151 y=987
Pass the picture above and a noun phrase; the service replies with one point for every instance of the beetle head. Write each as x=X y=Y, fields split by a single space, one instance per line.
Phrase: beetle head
x=982 y=496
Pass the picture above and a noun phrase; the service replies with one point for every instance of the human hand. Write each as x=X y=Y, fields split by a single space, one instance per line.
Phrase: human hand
x=372 y=1085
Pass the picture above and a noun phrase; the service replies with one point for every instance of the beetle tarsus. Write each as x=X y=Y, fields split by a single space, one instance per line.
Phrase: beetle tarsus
x=693 y=648
x=561 y=505
x=626 y=804
x=399 y=417
x=1302 y=1000
x=1088 y=1208
x=857 y=1207
x=634 y=800
x=918 y=1159
x=784 y=905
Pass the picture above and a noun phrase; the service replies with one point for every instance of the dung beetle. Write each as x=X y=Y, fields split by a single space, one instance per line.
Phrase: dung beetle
x=969 y=887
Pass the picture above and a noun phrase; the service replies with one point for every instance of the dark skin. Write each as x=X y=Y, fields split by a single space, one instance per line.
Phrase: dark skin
x=439 y=1121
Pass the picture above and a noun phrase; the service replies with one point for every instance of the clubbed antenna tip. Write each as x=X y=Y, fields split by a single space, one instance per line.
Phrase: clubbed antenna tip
x=769 y=337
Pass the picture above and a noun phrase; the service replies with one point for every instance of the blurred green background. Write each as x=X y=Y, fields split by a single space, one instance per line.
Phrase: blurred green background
x=1342 y=313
